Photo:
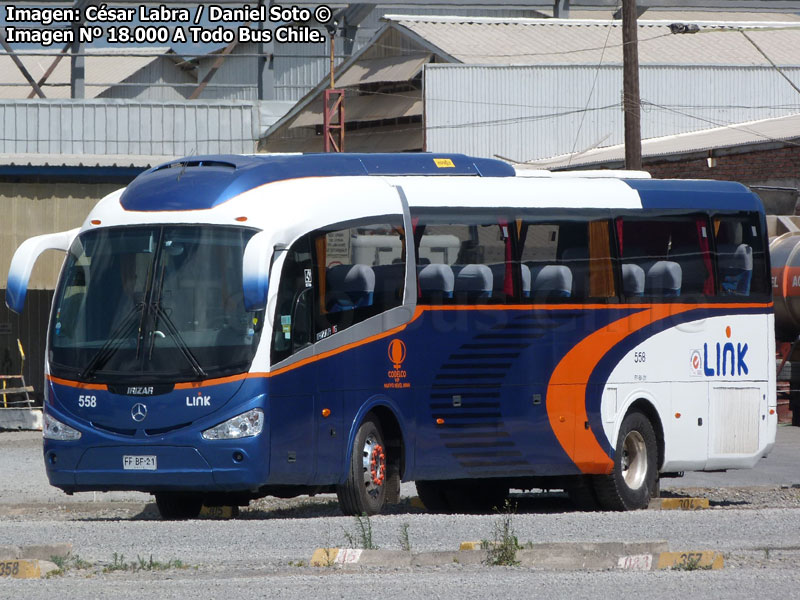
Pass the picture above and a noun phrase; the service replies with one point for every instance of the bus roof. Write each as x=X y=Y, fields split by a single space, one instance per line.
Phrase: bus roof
x=202 y=182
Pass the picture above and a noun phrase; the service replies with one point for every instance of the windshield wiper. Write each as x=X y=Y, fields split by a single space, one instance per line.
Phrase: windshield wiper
x=160 y=313
x=113 y=343
x=179 y=341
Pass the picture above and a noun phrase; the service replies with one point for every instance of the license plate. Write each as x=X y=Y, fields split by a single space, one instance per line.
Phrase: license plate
x=139 y=463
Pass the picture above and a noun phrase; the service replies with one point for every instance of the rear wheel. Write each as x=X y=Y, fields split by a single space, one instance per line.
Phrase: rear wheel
x=432 y=494
x=471 y=497
x=581 y=493
x=364 y=492
x=634 y=479
x=175 y=506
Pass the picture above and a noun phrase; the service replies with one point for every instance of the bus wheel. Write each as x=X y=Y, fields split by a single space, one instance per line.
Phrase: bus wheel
x=174 y=506
x=364 y=492
x=634 y=478
x=478 y=497
x=433 y=495
x=581 y=493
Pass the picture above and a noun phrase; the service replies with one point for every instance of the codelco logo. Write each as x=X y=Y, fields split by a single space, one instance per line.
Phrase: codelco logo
x=720 y=358
x=397 y=354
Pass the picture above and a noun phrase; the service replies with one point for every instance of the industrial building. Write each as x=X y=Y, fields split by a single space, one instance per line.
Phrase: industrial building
x=527 y=89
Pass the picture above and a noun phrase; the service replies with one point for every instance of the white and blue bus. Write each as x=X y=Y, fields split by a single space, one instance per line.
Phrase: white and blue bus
x=230 y=327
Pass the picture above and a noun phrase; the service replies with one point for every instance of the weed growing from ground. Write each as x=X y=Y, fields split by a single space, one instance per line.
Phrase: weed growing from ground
x=502 y=549
x=362 y=537
x=692 y=563
x=65 y=563
x=141 y=564
x=405 y=541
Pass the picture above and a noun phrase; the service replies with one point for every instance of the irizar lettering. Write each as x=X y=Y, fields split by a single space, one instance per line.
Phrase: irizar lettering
x=198 y=400
x=140 y=391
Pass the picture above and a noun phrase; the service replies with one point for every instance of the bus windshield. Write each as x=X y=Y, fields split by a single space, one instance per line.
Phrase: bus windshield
x=153 y=303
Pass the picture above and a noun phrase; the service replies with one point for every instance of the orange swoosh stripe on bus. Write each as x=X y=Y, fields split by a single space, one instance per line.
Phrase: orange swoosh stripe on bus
x=566 y=399
x=78 y=384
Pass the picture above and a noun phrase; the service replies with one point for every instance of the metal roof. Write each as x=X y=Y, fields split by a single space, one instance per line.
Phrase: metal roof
x=83 y=160
x=383 y=69
x=366 y=108
x=486 y=40
x=742 y=134
x=105 y=67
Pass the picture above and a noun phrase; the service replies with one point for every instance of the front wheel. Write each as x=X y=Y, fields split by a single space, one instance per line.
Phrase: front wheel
x=634 y=479
x=174 y=506
x=364 y=492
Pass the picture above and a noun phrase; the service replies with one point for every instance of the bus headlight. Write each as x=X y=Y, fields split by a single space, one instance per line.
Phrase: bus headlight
x=244 y=425
x=56 y=430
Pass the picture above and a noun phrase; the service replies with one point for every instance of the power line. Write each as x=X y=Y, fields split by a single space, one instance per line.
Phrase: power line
x=591 y=92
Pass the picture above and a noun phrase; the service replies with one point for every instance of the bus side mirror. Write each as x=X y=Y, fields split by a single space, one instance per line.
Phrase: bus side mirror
x=255 y=272
x=25 y=258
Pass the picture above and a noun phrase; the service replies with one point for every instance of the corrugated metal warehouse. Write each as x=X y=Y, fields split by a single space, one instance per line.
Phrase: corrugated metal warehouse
x=531 y=88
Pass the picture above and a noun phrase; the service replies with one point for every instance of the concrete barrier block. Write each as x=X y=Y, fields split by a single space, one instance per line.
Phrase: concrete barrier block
x=29 y=419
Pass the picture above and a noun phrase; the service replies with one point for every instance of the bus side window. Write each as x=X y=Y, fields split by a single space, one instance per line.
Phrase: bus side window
x=568 y=260
x=673 y=253
x=361 y=273
x=292 y=329
x=464 y=261
x=740 y=255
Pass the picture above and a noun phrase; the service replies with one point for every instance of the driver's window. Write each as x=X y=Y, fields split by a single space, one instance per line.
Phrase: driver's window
x=292 y=329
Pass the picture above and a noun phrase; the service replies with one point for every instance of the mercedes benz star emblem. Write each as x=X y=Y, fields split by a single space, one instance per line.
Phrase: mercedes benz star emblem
x=139 y=412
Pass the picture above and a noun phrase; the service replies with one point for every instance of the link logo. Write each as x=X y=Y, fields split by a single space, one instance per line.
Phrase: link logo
x=721 y=358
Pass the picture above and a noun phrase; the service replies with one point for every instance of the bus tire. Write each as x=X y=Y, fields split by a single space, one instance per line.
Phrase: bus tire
x=634 y=479
x=480 y=497
x=364 y=492
x=433 y=495
x=581 y=492
x=176 y=506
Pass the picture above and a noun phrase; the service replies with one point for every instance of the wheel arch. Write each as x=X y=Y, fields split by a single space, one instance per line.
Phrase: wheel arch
x=394 y=432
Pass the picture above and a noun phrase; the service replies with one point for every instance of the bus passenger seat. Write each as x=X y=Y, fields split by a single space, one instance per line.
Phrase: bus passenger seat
x=436 y=281
x=736 y=270
x=389 y=283
x=663 y=279
x=632 y=280
x=474 y=282
x=499 y=278
x=349 y=287
x=525 y=272
x=551 y=281
x=577 y=259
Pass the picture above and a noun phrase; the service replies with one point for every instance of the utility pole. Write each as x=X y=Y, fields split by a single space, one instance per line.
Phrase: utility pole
x=630 y=86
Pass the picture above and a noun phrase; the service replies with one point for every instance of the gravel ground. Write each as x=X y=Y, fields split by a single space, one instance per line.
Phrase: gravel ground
x=264 y=551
